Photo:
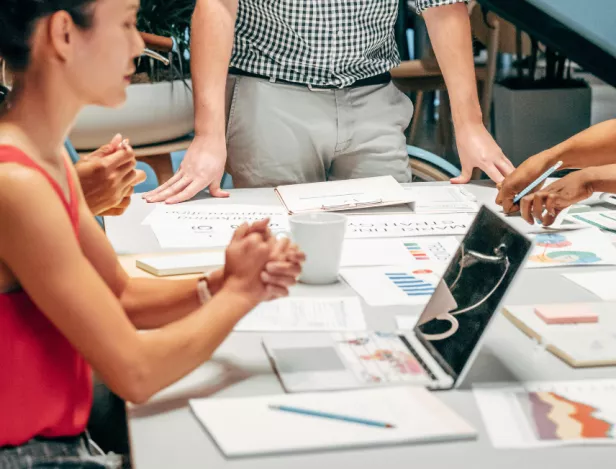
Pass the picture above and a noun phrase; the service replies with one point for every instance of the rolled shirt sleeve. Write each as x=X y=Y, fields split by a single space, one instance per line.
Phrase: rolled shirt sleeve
x=423 y=5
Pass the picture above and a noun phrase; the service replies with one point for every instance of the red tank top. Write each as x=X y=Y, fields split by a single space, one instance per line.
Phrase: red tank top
x=45 y=385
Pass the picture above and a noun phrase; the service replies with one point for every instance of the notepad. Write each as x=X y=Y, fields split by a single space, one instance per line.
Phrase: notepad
x=182 y=264
x=247 y=426
x=581 y=345
x=566 y=314
x=348 y=194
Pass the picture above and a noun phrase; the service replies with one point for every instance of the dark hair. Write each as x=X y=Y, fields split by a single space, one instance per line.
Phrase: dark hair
x=17 y=21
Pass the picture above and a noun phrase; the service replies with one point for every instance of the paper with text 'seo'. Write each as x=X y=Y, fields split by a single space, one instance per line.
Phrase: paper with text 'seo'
x=407 y=225
x=349 y=194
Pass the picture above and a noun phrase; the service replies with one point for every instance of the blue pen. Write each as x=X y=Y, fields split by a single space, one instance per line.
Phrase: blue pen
x=327 y=415
x=536 y=182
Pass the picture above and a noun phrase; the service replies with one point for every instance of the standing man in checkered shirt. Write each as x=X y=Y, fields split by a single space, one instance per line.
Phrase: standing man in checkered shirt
x=309 y=97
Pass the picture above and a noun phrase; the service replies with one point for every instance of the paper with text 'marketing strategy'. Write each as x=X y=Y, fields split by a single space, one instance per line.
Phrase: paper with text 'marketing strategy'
x=402 y=225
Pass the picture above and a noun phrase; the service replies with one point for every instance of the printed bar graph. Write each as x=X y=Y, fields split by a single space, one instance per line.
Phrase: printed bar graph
x=417 y=252
x=410 y=284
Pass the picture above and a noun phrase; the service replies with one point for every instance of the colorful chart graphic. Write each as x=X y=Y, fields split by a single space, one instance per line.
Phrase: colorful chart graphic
x=403 y=362
x=427 y=251
x=417 y=252
x=379 y=357
x=555 y=417
x=551 y=254
x=412 y=284
x=552 y=240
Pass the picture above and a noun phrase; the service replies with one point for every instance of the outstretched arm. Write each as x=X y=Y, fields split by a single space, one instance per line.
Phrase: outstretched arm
x=213 y=25
x=450 y=34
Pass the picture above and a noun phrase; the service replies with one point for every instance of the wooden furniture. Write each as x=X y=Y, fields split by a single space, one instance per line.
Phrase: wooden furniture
x=158 y=156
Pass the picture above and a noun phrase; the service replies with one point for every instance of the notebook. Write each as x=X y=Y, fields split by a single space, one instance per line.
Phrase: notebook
x=349 y=194
x=248 y=426
x=580 y=345
x=182 y=264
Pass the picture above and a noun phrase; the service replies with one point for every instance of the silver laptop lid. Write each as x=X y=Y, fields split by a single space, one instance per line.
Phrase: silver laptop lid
x=471 y=291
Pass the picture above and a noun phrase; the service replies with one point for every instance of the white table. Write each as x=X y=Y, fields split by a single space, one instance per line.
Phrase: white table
x=174 y=439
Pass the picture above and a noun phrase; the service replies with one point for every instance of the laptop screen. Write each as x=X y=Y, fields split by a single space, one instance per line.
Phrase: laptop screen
x=471 y=290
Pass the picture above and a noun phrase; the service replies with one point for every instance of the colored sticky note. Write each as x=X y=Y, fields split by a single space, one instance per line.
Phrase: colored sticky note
x=566 y=314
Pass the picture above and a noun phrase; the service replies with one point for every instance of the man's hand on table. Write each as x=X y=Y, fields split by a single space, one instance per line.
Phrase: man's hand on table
x=203 y=166
x=108 y=177
x=477 y=149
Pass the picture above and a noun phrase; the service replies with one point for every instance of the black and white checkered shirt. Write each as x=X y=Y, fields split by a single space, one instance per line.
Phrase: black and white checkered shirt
x=318 y=42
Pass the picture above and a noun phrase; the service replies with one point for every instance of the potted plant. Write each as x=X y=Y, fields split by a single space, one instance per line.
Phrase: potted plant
x=539 y=106
x=159 y=105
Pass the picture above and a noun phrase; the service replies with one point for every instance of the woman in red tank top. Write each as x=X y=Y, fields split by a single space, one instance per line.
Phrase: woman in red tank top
x=66 y=304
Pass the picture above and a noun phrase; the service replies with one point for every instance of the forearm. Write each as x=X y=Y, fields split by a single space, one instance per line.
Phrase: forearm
x=167 y=354
x=595 y=146
x=213 y=25
x=153 y=303
x=450 y=35
x=601 y=178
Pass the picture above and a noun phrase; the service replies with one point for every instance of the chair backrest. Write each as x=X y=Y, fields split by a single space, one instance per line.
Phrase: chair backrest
x=483 y=24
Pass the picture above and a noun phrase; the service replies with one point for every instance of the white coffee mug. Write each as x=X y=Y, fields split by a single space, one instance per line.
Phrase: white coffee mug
x=319 y=235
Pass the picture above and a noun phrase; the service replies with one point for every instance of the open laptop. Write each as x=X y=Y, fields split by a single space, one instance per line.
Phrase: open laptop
x=441 y=348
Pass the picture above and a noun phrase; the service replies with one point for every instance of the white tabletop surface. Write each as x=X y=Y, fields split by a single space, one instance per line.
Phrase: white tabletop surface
x=174 y=438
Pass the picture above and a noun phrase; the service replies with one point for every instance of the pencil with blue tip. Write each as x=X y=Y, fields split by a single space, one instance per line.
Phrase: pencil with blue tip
x=536 y=182
x=327 y=415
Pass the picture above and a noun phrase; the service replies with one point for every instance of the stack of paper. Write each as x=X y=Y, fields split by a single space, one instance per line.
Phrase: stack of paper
x=249 y=426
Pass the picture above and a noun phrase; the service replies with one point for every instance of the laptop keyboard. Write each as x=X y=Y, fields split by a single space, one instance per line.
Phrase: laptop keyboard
x=377 y=357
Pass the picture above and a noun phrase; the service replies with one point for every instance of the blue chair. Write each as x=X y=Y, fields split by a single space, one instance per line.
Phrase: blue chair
x=427 y=166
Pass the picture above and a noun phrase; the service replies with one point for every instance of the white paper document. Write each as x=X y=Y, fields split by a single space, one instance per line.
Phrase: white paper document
x=249 y=426
x=204 y=234
x=393 y=285
x=348 y=194
x=604 y=220
x=548 y=414
x=305 y=314
x=395 y=251
x=442 y=199
x=232 y=215
x=602 y=284
x=582 y=247
x=402 y=226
